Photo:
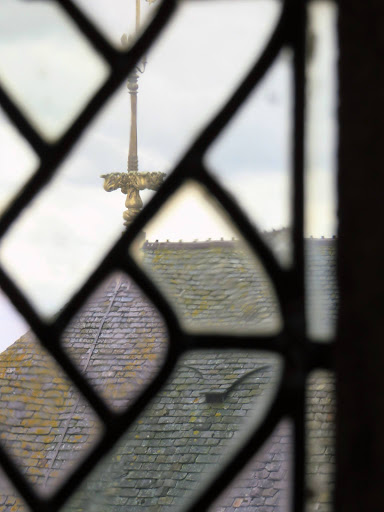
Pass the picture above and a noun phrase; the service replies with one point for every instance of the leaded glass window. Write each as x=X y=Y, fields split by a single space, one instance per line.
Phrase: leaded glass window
x=167 y=374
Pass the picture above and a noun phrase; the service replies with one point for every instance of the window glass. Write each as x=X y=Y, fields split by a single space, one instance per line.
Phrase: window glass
x=251 y=157
x=266 y=481
x=214 y=283
x=320 y=202
x=47 y=66
x=117 y=340
x=45 y=424
x=17 y=161
x=185 y=435
x=320 y=442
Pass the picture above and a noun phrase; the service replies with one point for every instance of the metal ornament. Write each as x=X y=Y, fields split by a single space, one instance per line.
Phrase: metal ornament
x=133 y=181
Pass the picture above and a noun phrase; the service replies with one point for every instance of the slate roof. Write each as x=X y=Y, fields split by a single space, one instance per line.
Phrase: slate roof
x=119 y=340
x=214 y=285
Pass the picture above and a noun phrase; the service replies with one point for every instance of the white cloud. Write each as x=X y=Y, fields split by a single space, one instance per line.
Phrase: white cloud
x=59 y=239
x=17 y=161
x=190 y=214
x=52 y=73
x=320 y=204
x=195 y=66
x=118 y=18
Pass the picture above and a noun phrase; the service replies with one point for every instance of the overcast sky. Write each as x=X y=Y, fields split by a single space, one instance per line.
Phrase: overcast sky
x=190 y=72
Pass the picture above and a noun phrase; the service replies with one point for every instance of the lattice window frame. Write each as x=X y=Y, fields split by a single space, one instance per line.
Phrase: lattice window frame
x=300 y=354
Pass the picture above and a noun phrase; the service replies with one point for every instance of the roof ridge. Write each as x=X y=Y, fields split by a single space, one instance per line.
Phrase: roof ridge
x=209 y=243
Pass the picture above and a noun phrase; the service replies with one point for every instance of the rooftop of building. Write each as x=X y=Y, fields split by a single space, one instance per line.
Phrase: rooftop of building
x=118 y=339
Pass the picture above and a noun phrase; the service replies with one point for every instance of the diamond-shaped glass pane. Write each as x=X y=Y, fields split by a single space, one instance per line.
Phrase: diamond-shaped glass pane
x=12 y=323
x=184 y=436
x=17 y=161
x=320 y=423
x=57 y=241
x=118 y=340
x=46 y=65
x=251 y=157
x=265 y=482
x=214 y=283
x=45 y=424
x=187 y=76
x=68 y=228
x=127 y=17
